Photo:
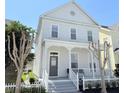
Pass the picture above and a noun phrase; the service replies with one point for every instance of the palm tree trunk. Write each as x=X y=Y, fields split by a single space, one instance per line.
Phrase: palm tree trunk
x=18 y=82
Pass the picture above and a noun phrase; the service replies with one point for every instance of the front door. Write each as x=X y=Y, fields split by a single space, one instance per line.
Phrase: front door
x=53 y=66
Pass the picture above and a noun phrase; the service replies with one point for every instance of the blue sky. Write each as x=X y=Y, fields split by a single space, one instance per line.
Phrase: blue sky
x=105 y=12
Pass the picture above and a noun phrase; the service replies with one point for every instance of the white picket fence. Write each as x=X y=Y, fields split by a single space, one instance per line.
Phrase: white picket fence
x=31 y=88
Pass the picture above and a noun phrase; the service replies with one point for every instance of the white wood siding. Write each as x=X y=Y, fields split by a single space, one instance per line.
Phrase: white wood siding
x=64 y=31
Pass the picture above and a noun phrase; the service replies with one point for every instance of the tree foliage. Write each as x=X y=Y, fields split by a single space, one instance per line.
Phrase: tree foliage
x=17 y=28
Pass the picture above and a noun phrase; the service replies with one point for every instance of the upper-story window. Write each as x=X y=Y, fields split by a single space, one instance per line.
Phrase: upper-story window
x=90 y=38
x=54 y=31
x=73 y=33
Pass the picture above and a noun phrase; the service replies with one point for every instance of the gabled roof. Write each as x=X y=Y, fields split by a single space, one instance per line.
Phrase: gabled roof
x=70 y=2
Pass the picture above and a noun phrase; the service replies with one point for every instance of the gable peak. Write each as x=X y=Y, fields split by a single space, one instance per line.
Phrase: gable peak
x=72 y=0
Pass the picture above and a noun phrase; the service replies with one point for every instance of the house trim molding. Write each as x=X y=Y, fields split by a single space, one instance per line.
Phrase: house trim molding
x=70 y=21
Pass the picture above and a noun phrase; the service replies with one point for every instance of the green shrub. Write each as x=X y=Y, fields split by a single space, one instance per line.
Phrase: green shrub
x=26 y=90
x=114 y=84
x=33 y=90
x=107 y=85
x=89 y=86
x=23 y=78
x=97 y=85
x=31 y=75
x=9 y=90
x=118 y=84
x=116 y=71
x=32 y=80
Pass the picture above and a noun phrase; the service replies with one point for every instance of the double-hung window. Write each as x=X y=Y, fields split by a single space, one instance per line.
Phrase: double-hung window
x=73 y=33
x=90 y=65
x=90 y=38
x=74 y=60
x=54 y=31
x=94 y=67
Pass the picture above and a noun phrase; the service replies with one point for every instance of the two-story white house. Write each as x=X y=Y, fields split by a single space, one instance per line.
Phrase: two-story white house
x=62 y=48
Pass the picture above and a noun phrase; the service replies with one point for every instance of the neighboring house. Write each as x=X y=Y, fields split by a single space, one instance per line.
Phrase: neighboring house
x=8 y=21
x=115 y=40
x=105 y=34
x=62 y=48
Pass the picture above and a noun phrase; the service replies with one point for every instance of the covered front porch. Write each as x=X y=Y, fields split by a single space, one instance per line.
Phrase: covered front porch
x=69 y=60
x=60 y=57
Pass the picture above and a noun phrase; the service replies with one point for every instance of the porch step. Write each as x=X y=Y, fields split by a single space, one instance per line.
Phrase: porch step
x=60 y=86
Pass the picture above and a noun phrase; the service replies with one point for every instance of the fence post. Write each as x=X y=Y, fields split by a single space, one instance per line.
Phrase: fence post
x=77 y=82
x=83 y=83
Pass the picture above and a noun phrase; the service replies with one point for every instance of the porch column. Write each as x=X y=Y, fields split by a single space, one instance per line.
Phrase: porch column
x=45 y=68
x=92 y=59
x=45 y=61
x=69 y=61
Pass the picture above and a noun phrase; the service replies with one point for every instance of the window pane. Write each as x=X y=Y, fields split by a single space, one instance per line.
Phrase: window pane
x=90 y=67
x=73 y=36
x=53 y=53
x=74 y=58
x=73 y=33
x=94 y=67
x=74 y=65
x=53 y=61
x=89 y=36
x=54 y=31
x=54 y=34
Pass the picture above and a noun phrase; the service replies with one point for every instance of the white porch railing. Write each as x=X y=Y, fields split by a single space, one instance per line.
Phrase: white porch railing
x=88 y=73
x=87 y=76
x=74 y=78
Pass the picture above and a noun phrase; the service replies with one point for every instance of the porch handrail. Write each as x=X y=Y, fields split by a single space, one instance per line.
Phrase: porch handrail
x=97 y=70
x=74 y=78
